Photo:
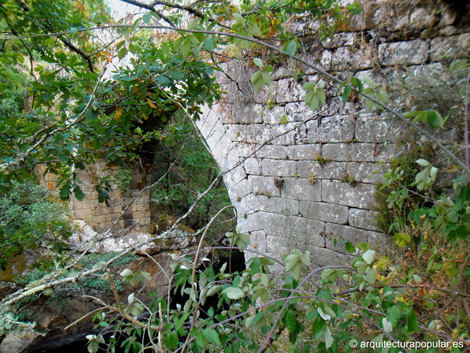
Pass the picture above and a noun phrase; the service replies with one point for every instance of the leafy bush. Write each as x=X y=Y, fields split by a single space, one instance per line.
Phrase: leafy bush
x=30 y=217
x=331 y=309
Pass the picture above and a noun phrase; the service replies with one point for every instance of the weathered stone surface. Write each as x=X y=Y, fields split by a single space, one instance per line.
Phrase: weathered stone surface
x=297 y=111
x=341 y=193
x=340 y=40
x=361 y=152
x=289 y=134
x=313 y=169
x=367 y=172
x=347 y=58
x=262 y=185
x=324 y=212
x=412 y=52
x=272 y=152
x=247 y=113
x=322 y=257
x=279 y=168
x=307 y=152
x=301 y=189
x=364 y=219
x=451 y=47
x=276 y=205
x=336 y=129
x=339 y=233
x=371 y=129
x=273 y=116
x=252 y=166
x=289 y=91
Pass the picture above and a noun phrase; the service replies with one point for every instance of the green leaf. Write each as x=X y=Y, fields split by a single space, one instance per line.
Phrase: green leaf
x=357 y=83
x=412 y=321
x=192 y=24
x=122 y=53
x=233 y=293
x=308 y=85
x=369 y=82
x=318 y=327
x=423 y=162
x=346 y=92
x=369 y=256
x=291 y=48
x=371 y=275
x=393 y=315
x=258 y=62
x=185 y=48
x=382 y=95
x=209 y=44
x=266 y=78
x=435 y=119
x=387 y=325
x=239 y=18
x=290 y=320
x=328 y=338
x=349 y=247
x=147 y=17
x=212 y=336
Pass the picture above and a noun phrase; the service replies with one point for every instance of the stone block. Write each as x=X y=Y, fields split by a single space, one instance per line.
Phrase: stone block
x=247 y=113
x=242 y=189
x=301 y=189
x=326 y=257
x=361 y=152
x=276 y=245
x=278 y=168
x=371 y=129
x=364 y=219
x=84 y=214
x=142 y=207
x=324 y=212
x=335 y=235
x=289 y=90
x=422 y=18
x=289 y=134
x=349 y=58
x=317 y=58
x=276 y=224
x=330 y=170
x=258 y=242
x=235 y=176
x=341 y=193
x=272 y=152
x=274 y=115
x=409 y=53
x=302 y=152
x=263 y=186
x=340 y=40
x=367 y=172
x=99 y=220
x=336 y=129
x=252 y=166
x=277 y=205
x=297 y=112
x=452 y=47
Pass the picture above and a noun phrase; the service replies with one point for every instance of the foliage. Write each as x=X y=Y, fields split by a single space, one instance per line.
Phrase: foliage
x=325 y=309
x=30 y=217
x=192 y=173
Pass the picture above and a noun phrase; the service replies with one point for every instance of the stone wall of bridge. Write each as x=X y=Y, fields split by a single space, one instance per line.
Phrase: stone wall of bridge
x=307 y=180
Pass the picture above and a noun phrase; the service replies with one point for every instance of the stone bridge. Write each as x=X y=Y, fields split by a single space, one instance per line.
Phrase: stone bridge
x=299 y=179
x=307 y=181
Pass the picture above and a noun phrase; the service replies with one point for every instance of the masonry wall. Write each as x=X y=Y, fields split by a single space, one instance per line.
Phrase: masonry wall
x=129 y=208
x=270 y=144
